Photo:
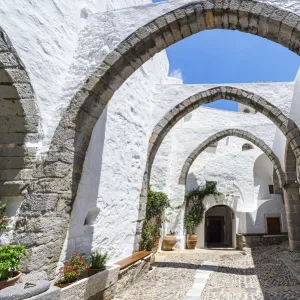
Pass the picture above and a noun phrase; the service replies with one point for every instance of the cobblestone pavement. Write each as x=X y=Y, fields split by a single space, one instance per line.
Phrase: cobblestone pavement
x=262 y=273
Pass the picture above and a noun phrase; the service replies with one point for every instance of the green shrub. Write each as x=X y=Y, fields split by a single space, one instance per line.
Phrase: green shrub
x=157 y=202
x=10 y=257
x=98 y=260
x=149 y=234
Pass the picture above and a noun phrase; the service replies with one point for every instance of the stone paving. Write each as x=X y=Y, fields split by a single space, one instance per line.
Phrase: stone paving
x=262 y=273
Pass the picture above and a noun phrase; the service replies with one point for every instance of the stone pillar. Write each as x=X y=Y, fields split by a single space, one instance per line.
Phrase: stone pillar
x=292 y=208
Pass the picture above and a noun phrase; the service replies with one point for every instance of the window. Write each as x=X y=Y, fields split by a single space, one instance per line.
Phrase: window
x=211 y=183
x=247 y=147
x=271 y=189
x=247 y=110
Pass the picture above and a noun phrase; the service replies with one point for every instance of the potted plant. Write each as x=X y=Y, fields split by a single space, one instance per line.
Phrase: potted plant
x=190 y=229
x=98 y=262
x=71 y=270
x=169 y=241
x=10 y=257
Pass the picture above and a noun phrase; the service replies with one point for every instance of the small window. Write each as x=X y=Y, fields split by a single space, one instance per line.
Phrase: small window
x=247 y=110
x=211 y=183
x=271 y=189
x=247 y=147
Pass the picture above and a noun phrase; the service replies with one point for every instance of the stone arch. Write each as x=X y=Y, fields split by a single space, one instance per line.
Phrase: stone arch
x=61 y=171
x=238 y=133
x=163 y=127
x=19 y=124
x=290 y=165
x=181 y=20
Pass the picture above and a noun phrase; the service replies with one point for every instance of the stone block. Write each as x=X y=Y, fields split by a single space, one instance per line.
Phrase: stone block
x=16 y=174
x=233 y=14
x=254 y=17
x=7 y=59
x=192 y=19
x=19 y=291
x=3 y=45
x=244 y=13
x=54 y=293
x=183 y=22
x=265 y=14
x=286 y=29
x=12 y=188
x=274 y=24
x=41 y=202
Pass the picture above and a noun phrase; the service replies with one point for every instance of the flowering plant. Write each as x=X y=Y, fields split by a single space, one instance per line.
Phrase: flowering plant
x=3 y=219
x=71 y=270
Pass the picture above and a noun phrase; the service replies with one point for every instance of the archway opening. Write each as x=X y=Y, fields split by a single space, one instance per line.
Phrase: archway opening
x=219 y=227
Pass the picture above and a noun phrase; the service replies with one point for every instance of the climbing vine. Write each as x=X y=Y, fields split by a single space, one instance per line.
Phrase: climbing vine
x=157 y=202
x=194 y=207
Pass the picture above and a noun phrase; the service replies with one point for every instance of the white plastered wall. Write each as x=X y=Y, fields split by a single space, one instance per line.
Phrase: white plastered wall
x=227 y=164
x=114 y=166
x=62 y=42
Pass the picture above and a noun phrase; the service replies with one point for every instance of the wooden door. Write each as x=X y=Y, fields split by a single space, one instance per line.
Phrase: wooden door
x=273 y=225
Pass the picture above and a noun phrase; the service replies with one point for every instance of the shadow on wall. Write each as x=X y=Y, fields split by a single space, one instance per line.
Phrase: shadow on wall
x=262 y=173
x=191 y=182
x=12 y=154
x=270 y=207
x=85 y=212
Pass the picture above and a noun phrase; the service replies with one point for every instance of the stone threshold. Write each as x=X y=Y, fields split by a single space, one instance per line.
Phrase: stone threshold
x=201 y=277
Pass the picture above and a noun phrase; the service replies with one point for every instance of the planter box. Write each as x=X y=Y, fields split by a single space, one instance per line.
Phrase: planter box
x=92 y=286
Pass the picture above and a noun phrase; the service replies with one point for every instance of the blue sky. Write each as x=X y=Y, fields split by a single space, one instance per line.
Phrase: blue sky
x=225 y=56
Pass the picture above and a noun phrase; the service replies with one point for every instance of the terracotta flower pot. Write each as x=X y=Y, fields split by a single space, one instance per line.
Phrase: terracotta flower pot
x=169 y=242
x=9 y=282
x=191 y=241
x=92 y=272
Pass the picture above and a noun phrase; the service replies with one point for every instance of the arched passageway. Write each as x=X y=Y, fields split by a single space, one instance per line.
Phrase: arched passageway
x=176 y=21
x=238 y=133
x=163 y=127
x=288 y=189
x=19 y=126
x=220 y=226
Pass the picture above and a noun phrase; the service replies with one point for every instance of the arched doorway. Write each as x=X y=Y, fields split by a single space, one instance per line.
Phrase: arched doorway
x=219 y=227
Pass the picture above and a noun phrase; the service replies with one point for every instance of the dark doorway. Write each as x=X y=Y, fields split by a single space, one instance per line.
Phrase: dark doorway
x=273 y=225
x=215 y=230
x=218 y=227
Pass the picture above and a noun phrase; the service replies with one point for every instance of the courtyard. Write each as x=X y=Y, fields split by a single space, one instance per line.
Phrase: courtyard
x=149 y=149
x=261 y=273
